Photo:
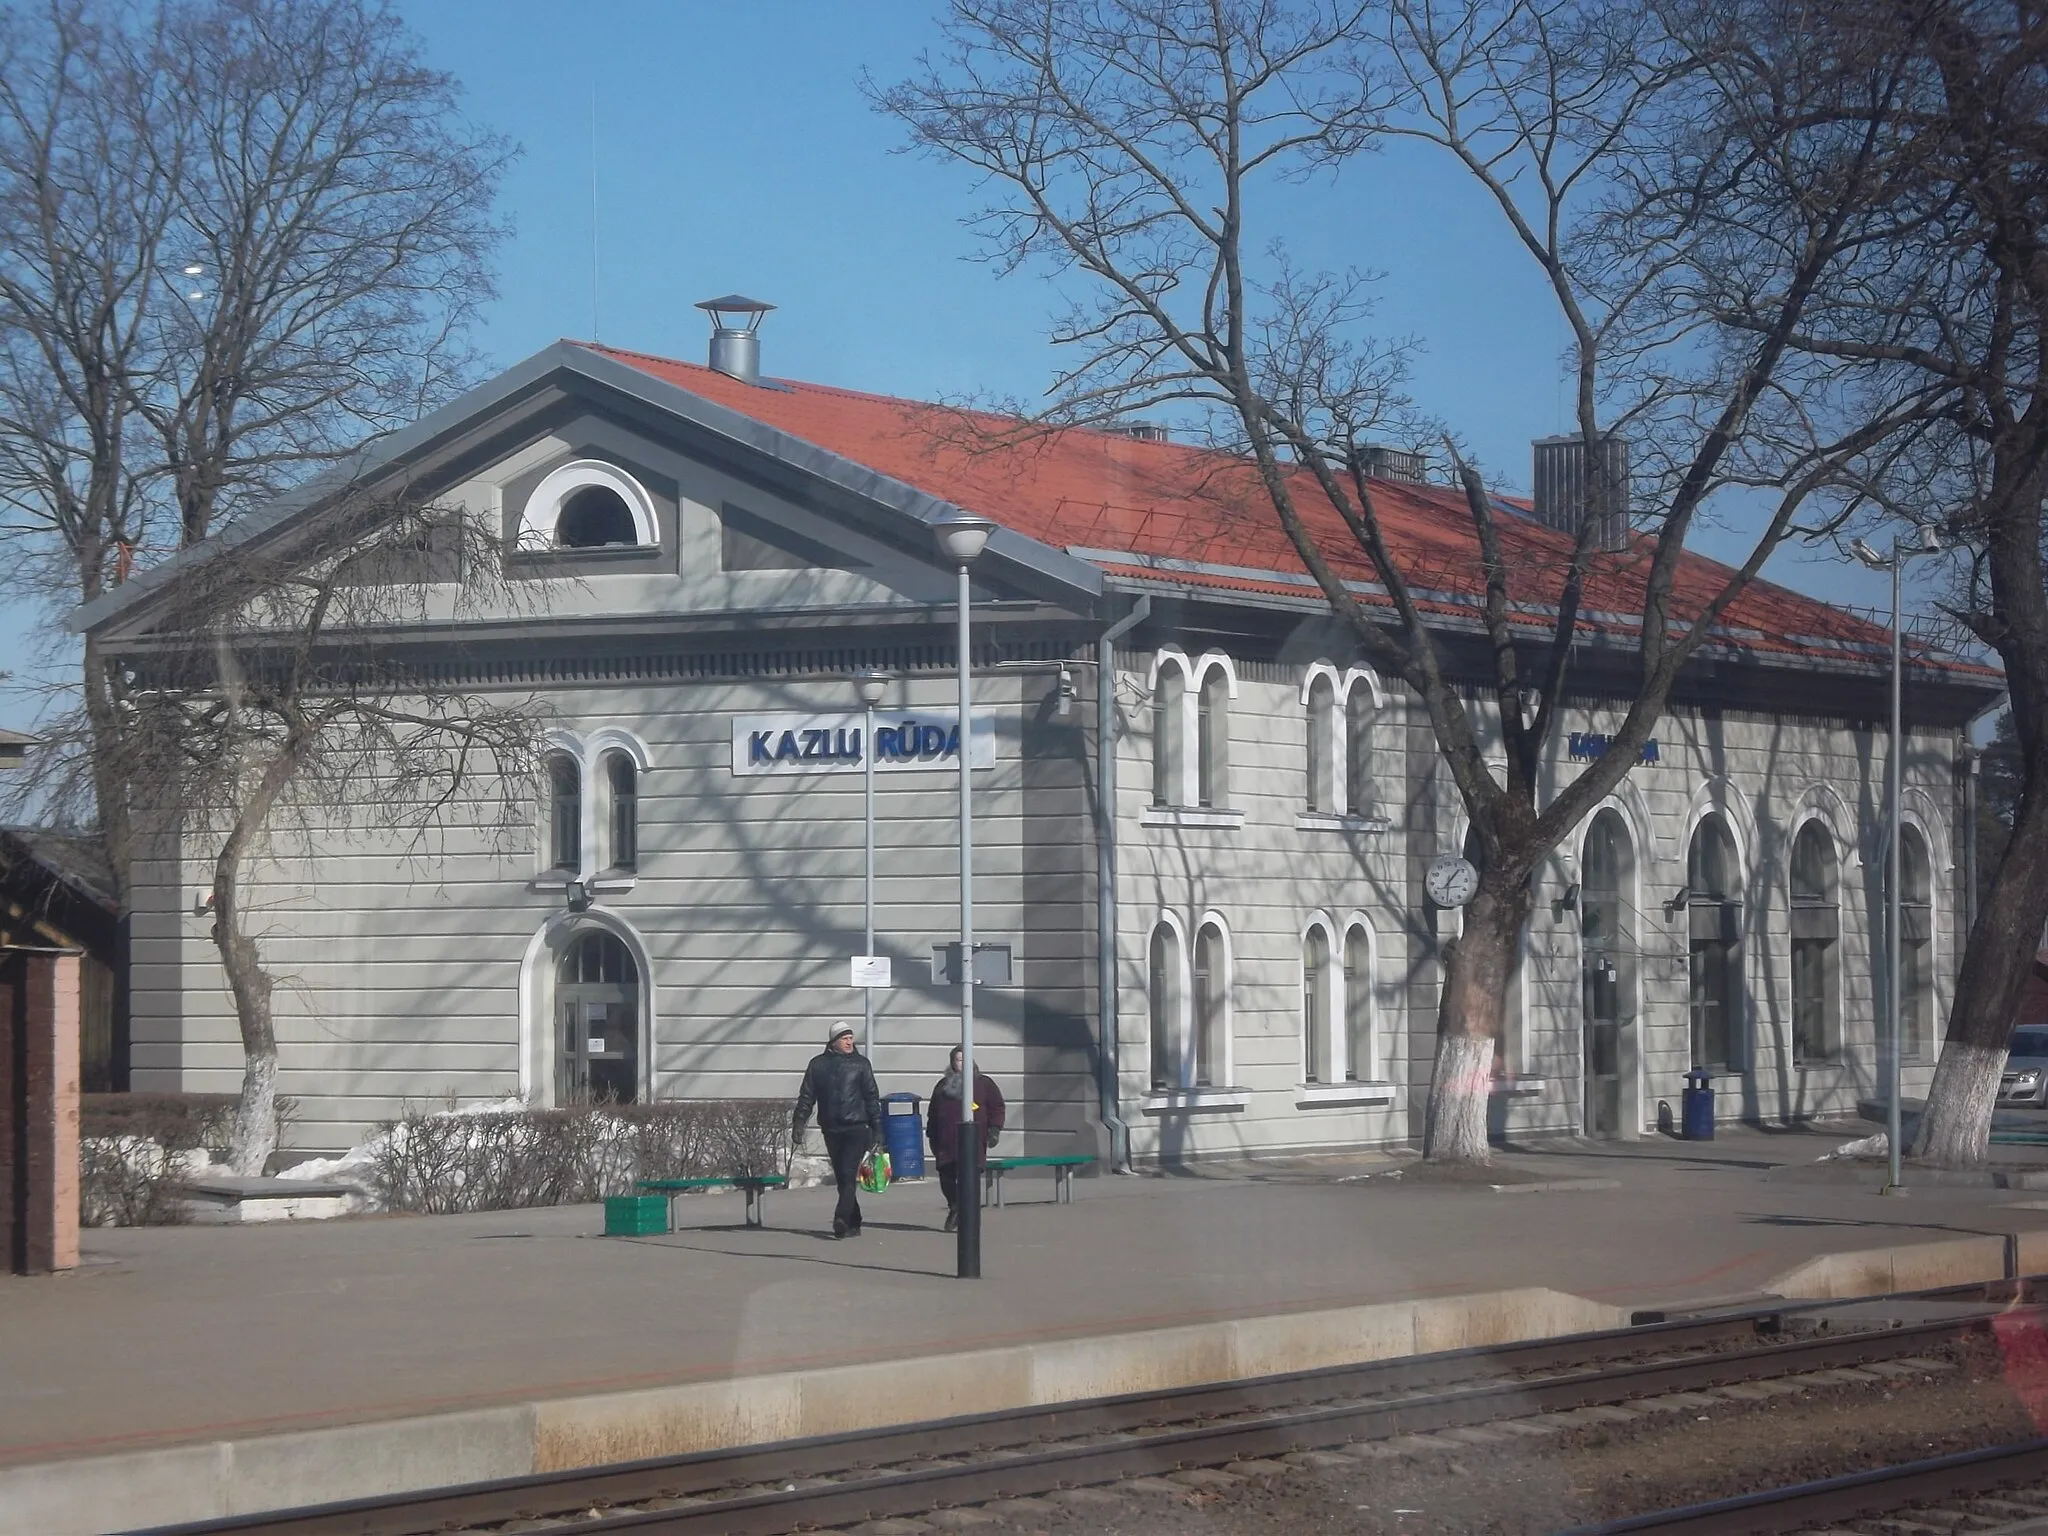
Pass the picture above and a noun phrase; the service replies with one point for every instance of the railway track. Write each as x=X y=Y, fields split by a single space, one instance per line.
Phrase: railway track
x=907 y=1470
x=2001 y=1489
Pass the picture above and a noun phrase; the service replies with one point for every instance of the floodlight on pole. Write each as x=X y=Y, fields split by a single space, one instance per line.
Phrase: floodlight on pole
x=962 y=536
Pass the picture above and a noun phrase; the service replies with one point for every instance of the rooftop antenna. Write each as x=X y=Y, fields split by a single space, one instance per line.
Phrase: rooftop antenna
x=594 y=336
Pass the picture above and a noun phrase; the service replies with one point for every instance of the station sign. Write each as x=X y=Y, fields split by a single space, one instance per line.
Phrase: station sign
x=1584 y=746
x=905 y=741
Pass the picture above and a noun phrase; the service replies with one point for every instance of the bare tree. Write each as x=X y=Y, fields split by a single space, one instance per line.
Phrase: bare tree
x=1126 y=143
x=1954 y=307
x=283 y=701
x=236 y=237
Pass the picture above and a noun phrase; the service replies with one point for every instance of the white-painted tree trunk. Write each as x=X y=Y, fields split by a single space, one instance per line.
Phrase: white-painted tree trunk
x=1454 y=1130
x=255 y=1135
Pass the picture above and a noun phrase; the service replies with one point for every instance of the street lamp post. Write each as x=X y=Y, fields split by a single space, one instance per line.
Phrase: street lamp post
x=962 y=536
x=1924 y=542
x=872 y=685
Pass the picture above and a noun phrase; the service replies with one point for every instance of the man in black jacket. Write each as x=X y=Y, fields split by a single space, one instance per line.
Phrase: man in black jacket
x=840 y=1084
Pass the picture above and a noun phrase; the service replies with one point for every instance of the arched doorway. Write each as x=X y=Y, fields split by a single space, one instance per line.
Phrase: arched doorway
x=1607 y=958
x=1713 y=897
x=597 y=1021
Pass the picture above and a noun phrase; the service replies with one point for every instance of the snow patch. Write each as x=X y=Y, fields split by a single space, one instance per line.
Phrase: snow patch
x=1870 y=1146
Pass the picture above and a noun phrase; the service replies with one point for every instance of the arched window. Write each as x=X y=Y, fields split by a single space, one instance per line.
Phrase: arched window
x=1713 y=882
x=1916 y=947
x=594 y=517
x=1212 y=786
x=625 y=819
x=1816 y=946
x=1164 y=997
x=1169 y=698
x=1359 y=1044
x=1607 y=957
x=588 y=504
x=1212 y=1006
x=1322 y=758
x=565 y=821
x=1315 y=1005
x=1358 y=763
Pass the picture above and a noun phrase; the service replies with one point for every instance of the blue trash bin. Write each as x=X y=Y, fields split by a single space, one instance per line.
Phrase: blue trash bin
x=903 y=1135
x=1699 y=1106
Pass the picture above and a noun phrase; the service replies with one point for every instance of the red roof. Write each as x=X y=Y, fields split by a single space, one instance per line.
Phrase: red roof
x=1172 y=513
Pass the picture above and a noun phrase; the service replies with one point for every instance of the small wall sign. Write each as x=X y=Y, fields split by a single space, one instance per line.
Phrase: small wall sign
x=906 y=741
x=1584 y=746
x=871 y=971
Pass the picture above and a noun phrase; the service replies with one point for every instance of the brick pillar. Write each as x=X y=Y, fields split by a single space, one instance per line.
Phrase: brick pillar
x=39 y=1110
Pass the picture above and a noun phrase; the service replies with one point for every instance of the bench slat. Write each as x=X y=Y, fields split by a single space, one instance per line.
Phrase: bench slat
x=1066 y=1160
x=767 y=1180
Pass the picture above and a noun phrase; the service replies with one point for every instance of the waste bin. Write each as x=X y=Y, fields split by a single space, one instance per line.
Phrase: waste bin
x=903 y=1135
x=1699 y=1106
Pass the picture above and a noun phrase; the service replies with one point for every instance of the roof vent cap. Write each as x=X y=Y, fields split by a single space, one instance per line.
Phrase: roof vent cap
x=735 y=338
x=1144 y=431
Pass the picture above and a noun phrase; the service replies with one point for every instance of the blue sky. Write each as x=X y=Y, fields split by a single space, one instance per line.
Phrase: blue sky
x=734 y=151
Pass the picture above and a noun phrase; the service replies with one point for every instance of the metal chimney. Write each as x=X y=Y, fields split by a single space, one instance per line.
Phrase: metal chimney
x=735 y=338
x=1570 y=488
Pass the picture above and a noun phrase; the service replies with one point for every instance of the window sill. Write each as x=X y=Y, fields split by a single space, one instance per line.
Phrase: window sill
x=1196 y=1100
x=1190 y=816
x=1518 y=1087
x=1332 y=1095
x=1318 y=821
x=553 y=880
x=614 y=880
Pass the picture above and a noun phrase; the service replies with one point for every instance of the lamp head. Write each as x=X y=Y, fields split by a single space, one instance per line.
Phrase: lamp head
x=872 y=685
x=962 y=535
x=1927 y=541
x=1870 y=557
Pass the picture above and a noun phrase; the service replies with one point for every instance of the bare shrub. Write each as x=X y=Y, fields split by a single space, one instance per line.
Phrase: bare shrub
x=131 y=1181
x=437 y=1163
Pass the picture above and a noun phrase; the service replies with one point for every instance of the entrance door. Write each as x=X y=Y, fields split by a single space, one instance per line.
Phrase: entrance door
x=1607 y=961
x=597 y=1013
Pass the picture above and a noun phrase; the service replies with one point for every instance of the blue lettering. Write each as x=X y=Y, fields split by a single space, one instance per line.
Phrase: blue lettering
x=786 y=750
x=885 y=743
x=953 y=743
x=757 y=747
x=931 y=741
x=849 y=750
x=815 y=743
x=1649 y=752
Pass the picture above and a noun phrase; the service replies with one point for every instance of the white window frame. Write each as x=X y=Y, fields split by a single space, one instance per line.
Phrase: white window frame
x=1194 y=673
x=1338 y=816
x=588 y=754
x=1224 y=1069
x=543 y=509
x=1181 y=1095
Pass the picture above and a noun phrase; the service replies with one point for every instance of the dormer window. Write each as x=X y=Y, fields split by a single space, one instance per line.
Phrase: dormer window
x=588 y=505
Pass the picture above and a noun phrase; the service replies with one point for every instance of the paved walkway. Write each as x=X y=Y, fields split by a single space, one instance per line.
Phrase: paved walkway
x=177 y=1334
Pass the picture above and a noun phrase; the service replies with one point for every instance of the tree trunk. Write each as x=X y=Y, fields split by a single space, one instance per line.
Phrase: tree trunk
x=255 y=1135
x=1476 y=971
x=109 y=769
x=1955 y=1130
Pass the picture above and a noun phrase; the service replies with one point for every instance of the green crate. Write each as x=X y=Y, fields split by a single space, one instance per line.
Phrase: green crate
x=635 y=1215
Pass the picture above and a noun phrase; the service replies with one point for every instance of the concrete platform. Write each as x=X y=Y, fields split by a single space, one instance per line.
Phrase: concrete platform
x=182 y=1371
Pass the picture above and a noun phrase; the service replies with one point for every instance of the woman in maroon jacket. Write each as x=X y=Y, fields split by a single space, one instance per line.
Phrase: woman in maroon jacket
x=942 y=1128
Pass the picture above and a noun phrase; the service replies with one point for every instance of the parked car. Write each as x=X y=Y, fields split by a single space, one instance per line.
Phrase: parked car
x=2026 y=1067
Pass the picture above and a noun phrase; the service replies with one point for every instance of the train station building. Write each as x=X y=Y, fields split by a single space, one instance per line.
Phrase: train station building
x=712 y=557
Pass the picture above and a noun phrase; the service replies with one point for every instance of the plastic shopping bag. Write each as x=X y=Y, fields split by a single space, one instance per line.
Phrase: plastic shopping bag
x=874 y=1172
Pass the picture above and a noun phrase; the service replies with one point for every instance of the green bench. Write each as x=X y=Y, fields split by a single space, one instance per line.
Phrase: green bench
x=755 y=1186
x=1062 y=1167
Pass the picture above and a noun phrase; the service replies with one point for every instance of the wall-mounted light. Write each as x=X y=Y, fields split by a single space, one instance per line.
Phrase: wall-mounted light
x=1067 y=692
x=579 y=896
x=202 y=904
x=1679 y=902
x=1569 y=901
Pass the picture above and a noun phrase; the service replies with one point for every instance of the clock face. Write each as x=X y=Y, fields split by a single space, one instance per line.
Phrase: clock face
x=1451 y=881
